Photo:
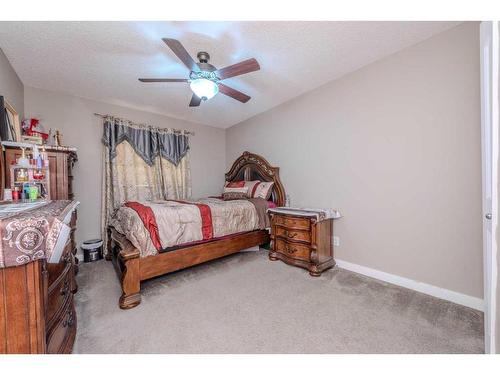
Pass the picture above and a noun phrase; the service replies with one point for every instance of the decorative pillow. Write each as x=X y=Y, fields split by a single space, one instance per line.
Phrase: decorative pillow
x=262 y=190
x=231 y=196
x=251 y=185
x=242 y=190
x=235 y=184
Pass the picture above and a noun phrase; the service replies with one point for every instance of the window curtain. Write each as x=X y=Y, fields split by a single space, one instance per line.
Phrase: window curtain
x=142 y=163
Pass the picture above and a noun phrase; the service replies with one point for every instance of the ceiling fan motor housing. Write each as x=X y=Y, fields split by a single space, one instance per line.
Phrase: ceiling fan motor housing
x=203 y=57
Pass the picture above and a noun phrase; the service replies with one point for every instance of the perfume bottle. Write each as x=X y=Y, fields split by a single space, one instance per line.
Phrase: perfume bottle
x=39 y=162
x=23 y=160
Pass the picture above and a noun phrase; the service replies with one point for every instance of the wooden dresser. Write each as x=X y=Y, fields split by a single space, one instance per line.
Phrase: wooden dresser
x=302 y=241
x=37 y=312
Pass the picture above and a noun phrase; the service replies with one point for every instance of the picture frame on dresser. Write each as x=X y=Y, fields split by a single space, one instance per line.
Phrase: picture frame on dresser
x=10 y=127
x=14 y=123
x=4 y=130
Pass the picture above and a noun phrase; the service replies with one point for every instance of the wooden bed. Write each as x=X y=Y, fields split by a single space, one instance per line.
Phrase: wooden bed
x=132 y=269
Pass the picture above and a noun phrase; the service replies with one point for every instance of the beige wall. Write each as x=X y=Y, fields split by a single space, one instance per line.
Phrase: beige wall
x=11 y=87
x=396 y=147
x=74 y=117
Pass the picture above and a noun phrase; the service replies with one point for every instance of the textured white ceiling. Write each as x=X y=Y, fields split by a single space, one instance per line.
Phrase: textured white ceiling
x=102 y=60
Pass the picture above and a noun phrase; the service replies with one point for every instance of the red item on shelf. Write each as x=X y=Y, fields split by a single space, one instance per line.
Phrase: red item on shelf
x=32 y=127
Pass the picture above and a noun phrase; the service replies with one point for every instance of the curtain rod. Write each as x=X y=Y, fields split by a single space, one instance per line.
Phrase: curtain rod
x=178 y=131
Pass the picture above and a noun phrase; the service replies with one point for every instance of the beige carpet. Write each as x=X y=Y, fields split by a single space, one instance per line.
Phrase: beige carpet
x=245 y=303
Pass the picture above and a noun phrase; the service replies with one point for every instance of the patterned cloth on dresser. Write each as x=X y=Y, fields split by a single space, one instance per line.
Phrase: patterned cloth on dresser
x=319 y=213
x=35 y=233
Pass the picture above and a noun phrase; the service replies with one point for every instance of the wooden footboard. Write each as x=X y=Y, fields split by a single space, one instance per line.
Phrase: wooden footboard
x=132 y=269
x=126 y=259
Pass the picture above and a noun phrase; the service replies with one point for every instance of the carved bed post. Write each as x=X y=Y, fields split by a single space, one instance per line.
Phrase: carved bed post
x=131 y=278
x=126 y=259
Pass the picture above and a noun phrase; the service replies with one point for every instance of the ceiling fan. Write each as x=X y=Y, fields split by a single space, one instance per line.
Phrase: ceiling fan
x=204 y=78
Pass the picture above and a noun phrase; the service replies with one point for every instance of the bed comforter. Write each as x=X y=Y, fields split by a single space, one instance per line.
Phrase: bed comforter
x=153 y=227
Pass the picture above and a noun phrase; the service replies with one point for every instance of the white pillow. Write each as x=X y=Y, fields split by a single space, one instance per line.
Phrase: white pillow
x=263 y=190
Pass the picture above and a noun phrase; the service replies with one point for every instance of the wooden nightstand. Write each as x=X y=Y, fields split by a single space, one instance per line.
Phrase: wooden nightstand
x=302 y=238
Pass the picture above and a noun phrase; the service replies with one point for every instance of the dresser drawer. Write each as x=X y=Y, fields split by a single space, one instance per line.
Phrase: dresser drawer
x=293 y=250
x=61 y=333
x=292 y=222
x=58 y=294
x=56 y=269
x=292 y=234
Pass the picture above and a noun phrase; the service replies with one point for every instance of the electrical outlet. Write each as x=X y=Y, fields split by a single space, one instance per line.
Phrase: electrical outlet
x=336 y=241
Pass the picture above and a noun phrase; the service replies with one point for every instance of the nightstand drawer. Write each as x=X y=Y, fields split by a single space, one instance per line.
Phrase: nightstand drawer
x=292 y=234
x=293 y=250
x=292 y=222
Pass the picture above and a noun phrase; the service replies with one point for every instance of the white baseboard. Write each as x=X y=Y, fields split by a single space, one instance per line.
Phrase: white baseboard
x=446 y=294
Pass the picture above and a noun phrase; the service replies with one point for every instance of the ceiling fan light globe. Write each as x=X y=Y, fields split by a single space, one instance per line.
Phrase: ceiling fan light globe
x=204 y=88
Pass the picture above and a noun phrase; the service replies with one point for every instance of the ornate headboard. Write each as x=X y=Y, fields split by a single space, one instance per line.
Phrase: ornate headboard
x=251 y=167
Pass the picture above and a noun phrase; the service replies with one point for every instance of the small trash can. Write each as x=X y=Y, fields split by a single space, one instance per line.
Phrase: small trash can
x=92 y=250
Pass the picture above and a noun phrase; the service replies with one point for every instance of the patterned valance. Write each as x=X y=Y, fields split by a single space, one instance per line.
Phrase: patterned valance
x=147 y=141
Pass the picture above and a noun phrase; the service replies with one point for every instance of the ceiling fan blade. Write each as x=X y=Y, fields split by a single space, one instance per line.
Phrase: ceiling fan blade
x=247 y=66
x=195 y=101
x=163 y=79
x=181 y=53
x=235 y=94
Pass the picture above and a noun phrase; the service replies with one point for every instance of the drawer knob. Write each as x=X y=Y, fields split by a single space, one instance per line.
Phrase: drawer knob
x=68 y=258
x=70 y=321
x=290 y=235
x=65 y=288
x=290 y=249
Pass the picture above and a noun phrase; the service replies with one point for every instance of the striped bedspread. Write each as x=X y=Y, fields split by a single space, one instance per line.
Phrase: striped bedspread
x=155 y=226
